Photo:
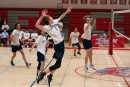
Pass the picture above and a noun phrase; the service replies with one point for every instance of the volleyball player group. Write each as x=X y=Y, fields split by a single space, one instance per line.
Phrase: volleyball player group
x=53 y=28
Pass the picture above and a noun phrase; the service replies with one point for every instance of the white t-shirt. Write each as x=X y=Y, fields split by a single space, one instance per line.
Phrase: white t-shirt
x=5 y=27
x=41 y=44
x=87 y=32
x=15 y=35
x=74 y=37
x=26 y=35
x=21 y=33
x=34 y=36
x=54 y=31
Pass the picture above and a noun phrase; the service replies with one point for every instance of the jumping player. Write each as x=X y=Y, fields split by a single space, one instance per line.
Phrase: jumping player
x=16 y=45
x=88 y=26
x=51 y=27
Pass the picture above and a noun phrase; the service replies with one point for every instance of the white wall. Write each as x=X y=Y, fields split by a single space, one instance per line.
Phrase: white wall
x=53 y=4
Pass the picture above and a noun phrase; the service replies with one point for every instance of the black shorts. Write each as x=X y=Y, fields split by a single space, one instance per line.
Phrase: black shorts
x=87 y=44
x=16 y=48
x=33 y=40
x=75 y=44
x=40 y=57
x=59 y=51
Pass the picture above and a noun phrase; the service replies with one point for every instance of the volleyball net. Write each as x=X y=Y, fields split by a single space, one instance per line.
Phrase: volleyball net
x=119 y=28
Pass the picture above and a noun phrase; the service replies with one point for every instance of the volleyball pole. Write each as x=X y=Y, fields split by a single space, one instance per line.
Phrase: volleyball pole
x=111 y=24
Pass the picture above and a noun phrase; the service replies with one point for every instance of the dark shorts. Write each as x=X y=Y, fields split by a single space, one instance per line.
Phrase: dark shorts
x=59 y=51
x=87 y=44
x=33 y=40
x=40 y=57
x=76 y=44
x=16 y=48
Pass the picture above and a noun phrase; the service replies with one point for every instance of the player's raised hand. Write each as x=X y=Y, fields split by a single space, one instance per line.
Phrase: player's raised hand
x=69 y=10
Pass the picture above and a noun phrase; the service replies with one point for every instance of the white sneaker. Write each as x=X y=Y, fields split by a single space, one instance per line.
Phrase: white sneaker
x=86 y=68
x=92 y=67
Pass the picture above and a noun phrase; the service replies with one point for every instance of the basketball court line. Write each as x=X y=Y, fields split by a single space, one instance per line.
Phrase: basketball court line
x=11 y=67
x=66 y=71
x=117 y=67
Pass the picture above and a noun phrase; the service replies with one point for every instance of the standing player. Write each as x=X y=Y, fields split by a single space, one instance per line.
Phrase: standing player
x=87 y=41
x=16 y=45
x=52 y=28
x=74 y=40
x=41 y=48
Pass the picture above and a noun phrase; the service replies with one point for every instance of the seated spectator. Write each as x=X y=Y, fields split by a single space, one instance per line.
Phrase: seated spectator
x=34 y=36
x=21 y=36
x=26 y=39
x=5 y=26
x=4 y=38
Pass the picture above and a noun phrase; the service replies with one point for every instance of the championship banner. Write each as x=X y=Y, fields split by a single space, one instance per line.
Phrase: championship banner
x=93 y=1
x=65 y=1
x=122 y=2
x=83 y=1
x=113 y=2
x=74 y=1
x=97 y=41
x=103 y=1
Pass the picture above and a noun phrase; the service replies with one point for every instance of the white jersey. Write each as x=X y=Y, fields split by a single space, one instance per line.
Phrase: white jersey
x=54 y=31
x=34 y=36
x=21 y=33
x=15 y=35
x=41 y=44
x=87 y=32
x=74 y=37
x=26 y=35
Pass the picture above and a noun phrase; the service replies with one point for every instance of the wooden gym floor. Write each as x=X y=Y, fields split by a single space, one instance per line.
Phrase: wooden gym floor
x=71 y=74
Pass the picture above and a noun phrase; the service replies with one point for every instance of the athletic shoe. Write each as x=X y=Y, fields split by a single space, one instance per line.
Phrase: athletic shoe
x=12 y=63
x=40 y=77
x=75 y=55
x=79 y=53
x=28 y=65
x=92 y=66
x=49 y=79
x=86 y=68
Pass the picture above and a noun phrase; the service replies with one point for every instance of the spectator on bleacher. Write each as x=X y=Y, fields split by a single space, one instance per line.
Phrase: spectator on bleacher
x=26 y=38
x=21 y=35
x=4 y=38
x=5 y=26
x=2 y=20
x=74 y=41
x=34 y=36
x=105 y=34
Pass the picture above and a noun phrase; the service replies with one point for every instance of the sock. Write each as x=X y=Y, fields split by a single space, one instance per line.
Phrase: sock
x=86 y=65
x=26 y=63
x=50 y=76
x=44 y=73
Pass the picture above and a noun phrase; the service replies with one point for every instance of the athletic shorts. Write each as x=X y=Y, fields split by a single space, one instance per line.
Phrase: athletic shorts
x=87 y=44
x=75 y=44
x=40 y=57
x=16 y=48
x=59 y=51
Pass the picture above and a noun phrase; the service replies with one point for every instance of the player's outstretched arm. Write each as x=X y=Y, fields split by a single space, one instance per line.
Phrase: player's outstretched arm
x=64 y=14
x=38 y=25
